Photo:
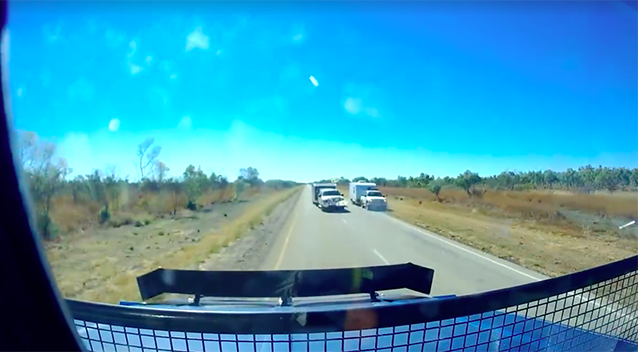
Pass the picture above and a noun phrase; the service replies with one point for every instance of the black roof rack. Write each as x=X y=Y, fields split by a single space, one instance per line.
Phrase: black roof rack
x=286 y=284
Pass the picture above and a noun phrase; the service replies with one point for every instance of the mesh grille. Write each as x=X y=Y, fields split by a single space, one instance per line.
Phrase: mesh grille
x=599 y=317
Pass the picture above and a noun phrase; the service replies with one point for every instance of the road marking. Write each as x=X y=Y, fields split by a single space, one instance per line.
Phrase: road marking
x=466 y=250
x=380 y=256
x=292 y=226
x=577 y=296
x=344 y=221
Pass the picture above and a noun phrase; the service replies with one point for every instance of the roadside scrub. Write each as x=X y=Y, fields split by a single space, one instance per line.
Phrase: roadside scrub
x=554 y=234
x=121 y=284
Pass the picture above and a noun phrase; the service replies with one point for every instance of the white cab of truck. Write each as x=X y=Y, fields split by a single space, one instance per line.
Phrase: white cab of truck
x=359 y=189
x=316 y=189
x=374 y=200
x=331 y=200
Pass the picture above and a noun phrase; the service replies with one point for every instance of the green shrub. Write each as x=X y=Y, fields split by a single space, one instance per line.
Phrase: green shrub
x=191 y=205
x=105 y=215
x=45 y=227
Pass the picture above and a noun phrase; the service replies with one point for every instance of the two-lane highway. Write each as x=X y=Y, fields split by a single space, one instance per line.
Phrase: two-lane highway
x=313 y=239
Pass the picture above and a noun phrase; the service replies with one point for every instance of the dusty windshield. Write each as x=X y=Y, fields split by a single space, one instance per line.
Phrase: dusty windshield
x=374 y=194
x=503 y=136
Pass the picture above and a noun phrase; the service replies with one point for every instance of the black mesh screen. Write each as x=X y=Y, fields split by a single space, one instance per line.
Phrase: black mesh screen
x=602 y=316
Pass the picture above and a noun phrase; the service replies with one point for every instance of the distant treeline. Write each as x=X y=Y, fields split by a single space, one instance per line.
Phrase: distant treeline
x=585 y=179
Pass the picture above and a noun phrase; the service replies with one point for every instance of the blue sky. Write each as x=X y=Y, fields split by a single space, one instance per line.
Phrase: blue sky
x=403 y=88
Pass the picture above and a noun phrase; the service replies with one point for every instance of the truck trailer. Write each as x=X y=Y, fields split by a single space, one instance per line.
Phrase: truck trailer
x=358 y=189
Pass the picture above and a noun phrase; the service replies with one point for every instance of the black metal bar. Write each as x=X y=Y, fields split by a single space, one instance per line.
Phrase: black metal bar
x=197 y=299
x=336 y=319
x=286 y=301
x=292 y=283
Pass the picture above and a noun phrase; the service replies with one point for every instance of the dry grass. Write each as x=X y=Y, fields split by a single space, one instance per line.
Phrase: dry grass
x=93 y=269
x=70 y=216
x=220 y=196
x=535 y=202
x=552 y=232
x=132 y=207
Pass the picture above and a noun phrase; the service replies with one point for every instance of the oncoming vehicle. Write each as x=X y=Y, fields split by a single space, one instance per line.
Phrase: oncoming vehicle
x=359 y=189
x=316 y=188
x=331 y=200
x=374 y=200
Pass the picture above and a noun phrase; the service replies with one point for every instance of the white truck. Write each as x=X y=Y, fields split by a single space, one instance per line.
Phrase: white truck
x=331 y=200
x=359 y=189
x=316 y=189
x=374 y=200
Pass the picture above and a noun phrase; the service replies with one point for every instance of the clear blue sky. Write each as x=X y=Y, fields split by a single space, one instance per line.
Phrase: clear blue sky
x=402 y=88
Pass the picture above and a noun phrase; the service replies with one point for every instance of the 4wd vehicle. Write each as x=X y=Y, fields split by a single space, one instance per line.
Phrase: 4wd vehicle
x=374 y=200
x=358 y=190
x=331 y=200
x=317 y=187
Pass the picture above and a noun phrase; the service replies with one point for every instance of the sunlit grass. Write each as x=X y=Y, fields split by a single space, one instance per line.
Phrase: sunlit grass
x=115 y=285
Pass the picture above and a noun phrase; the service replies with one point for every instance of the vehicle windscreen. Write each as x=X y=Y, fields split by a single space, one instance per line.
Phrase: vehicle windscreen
x=198 y=135
x=374 y=194
x=331 y=193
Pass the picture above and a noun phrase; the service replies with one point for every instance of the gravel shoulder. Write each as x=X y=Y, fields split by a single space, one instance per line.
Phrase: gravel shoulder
x=85 y=264
x=250 y=251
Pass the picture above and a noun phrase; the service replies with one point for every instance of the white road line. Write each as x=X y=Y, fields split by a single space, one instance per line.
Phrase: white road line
x=344 y=221
x=465 y=250
x=577 y=296
x=380 y=256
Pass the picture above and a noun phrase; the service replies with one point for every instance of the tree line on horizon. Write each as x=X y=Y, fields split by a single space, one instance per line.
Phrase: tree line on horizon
x=585 y=179
x=47 y=177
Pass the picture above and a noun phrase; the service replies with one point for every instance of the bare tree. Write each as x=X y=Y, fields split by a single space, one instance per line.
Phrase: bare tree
x=45 y=173
x=112 y=186
x=161 y=170
x=27 y=148
x=111 y=170
x=176 y=188
x=239 y=186
x=79 y=188
x=151 y=156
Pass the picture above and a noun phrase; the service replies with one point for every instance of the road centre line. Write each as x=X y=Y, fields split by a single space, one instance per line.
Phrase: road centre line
x=380 y=256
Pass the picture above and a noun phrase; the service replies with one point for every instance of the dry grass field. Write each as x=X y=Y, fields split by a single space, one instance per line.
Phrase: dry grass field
x=552 y=232
x=102 y=263
x=131 y=207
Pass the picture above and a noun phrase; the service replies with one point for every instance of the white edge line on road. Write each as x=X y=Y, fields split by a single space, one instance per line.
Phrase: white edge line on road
x=577 y=296
x=465 y=250
x=380 y=256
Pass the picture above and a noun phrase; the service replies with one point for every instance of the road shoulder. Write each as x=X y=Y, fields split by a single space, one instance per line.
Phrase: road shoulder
x=253 y=249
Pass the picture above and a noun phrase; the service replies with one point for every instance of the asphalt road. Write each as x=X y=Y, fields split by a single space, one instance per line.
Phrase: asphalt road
x=313 y=239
